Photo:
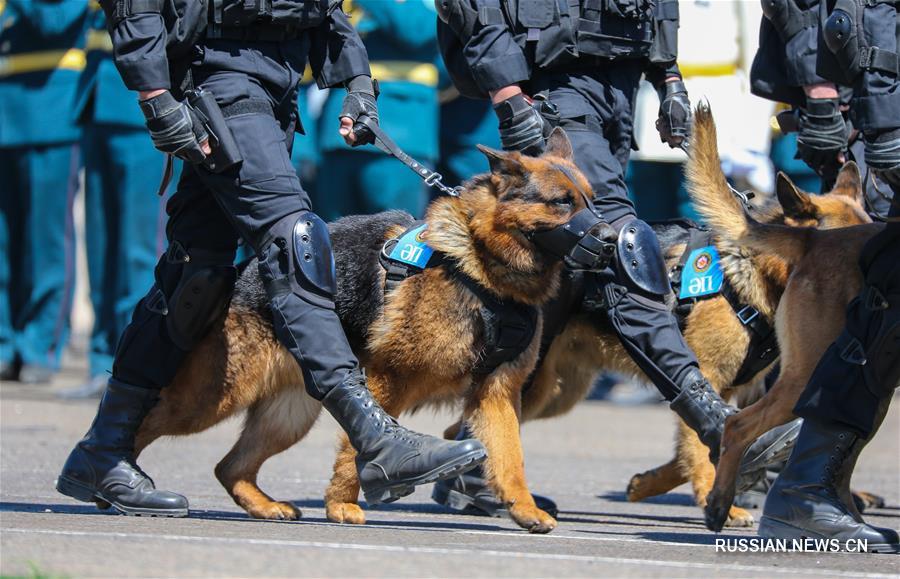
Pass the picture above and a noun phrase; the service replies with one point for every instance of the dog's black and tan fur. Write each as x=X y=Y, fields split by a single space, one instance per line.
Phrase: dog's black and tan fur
x=419 y=344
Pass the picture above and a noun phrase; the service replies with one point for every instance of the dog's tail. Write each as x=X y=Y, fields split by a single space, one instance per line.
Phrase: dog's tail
x=721 y=208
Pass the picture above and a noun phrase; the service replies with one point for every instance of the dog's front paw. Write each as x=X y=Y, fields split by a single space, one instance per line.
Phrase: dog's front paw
x=637 y=490
x=866 y=500
x=275 y=511
x=738 y=517
x=349 y=513
x=715 y=513
x=532 y=518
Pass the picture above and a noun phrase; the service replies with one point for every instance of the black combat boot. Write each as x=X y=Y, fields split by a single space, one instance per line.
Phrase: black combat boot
x=392 y=460
x=804 y=501
x=704 y=411
x=470 y=494
x=101 y=468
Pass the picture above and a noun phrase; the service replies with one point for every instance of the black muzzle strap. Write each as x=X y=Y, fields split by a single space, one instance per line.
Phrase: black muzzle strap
x=574 y=242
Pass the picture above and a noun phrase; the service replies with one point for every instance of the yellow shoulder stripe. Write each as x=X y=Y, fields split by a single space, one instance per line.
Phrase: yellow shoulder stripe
x=72 y=59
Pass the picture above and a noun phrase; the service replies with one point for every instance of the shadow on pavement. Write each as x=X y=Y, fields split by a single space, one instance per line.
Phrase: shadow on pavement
x=680 y=499
x=217 y=515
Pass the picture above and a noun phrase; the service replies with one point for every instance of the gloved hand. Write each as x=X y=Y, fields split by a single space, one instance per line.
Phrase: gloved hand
x=522 y=128
x=362 y=93
x=823 y=135
x=674 y=122
x=174 y=127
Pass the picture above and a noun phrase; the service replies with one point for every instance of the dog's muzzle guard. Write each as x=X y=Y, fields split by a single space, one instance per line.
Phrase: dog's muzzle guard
x=585 y=243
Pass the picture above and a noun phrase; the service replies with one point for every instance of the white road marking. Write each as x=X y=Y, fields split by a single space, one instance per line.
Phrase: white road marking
x=445 y=551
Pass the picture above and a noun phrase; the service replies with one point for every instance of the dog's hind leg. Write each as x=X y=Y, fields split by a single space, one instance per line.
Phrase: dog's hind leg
x=493 y=413
x=271 y=426
x=655 y=481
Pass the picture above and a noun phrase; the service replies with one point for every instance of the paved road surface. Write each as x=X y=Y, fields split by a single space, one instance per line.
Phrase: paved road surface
x=583 y=461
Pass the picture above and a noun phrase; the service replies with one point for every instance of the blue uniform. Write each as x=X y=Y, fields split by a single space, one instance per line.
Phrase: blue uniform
x=41 y=57
x=401 y=40
x=124 y=218
x=464 y=124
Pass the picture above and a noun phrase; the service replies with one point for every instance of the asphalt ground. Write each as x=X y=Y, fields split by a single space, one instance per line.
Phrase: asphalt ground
x=583 y=460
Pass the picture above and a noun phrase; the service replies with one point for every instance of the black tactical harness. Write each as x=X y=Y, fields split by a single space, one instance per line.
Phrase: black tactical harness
x=763 y=348
x=507 y=327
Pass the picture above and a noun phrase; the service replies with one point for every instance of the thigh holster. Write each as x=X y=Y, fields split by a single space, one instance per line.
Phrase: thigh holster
x=200 y=295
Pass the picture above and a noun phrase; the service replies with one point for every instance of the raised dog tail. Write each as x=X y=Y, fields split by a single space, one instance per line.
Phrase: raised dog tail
x=721 y=208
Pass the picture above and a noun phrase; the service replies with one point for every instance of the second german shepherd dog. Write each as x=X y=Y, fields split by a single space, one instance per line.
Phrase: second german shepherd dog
x=419 y=343
x=587 y=344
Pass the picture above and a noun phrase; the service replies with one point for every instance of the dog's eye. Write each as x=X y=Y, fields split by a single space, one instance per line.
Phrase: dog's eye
x=562 y=202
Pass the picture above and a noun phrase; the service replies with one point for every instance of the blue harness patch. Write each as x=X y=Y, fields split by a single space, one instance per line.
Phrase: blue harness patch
x=702 y=274
x=412 y=249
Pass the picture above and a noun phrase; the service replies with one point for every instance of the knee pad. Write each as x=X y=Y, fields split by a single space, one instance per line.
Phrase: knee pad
x=300 y=259
x=883 y=157
x=200 y=295
x=640 y=259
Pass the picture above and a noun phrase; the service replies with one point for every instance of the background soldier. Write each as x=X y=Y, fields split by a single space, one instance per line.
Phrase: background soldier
x=586 y=63
x=400 y=40
x=251 y=60
x=41 y=56
x=124 y=219
x=848 y=394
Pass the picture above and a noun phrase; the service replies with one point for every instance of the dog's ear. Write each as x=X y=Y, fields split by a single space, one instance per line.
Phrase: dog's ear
x=795 y=202
x=849 y=182
x=502 y=162
x=558 y=144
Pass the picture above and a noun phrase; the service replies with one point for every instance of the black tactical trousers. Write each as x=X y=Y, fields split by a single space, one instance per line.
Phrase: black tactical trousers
x=257 y=88
x=862 y=367
x=596 y=107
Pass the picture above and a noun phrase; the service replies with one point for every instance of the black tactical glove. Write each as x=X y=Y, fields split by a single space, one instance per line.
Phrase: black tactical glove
x=822 y=136
x=674 y=122
x=174 y=128
x=522 y=128
x=883 y=156
x=362 y=93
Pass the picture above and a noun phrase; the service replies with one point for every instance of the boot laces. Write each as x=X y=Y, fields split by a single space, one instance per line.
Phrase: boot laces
x=391 y=427
x=835 y=460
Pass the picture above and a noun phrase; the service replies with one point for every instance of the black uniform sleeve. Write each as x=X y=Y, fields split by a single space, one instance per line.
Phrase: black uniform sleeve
x=786 y=58
x=337 y=53
x=664 y=52
x=139 y=48
x=493 y=55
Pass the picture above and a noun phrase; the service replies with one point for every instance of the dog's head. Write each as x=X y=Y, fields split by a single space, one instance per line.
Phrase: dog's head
x=840 y=207
x=532 y=194
x=488 y=229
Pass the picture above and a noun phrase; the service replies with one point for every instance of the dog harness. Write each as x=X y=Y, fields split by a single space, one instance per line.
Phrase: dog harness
x=698 y=275
x=507 y=327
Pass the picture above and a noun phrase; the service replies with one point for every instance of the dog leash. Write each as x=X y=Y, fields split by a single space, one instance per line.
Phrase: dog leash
x=386 y=144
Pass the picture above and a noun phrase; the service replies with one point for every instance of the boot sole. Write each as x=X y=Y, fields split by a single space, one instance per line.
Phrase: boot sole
x=85 y=494
x=773 y=529
x=778 y=451
x=396 y=490
x=457 y=501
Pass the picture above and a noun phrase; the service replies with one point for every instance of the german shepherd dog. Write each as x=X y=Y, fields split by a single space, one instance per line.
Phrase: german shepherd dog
x=419 y=343
x=824 y=277
x=587 y=344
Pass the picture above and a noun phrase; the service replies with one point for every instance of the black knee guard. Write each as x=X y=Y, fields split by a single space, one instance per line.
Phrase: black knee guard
x=299 y=259
x=640 y=259
x=199 y=296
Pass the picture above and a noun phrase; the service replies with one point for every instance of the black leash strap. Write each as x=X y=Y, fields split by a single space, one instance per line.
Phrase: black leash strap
x=386 y=144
